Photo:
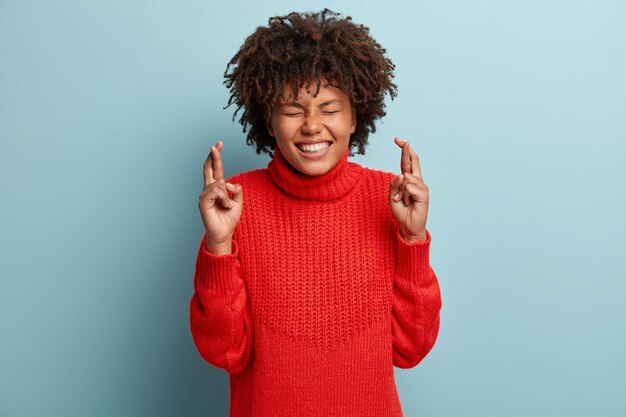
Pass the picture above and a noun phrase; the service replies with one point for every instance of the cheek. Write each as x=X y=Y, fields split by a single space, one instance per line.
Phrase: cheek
x=286 y=129
x=342 y=127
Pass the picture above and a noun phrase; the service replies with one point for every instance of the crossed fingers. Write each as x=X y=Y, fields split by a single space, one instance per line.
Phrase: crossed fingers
x=411 y=172
x=213 y=168
x=214 y=173
x=409 y=162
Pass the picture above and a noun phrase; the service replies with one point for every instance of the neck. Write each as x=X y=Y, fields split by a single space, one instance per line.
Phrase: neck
x=329 y=186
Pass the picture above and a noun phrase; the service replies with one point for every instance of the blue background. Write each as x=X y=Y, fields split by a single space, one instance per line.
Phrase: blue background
x=517 y=111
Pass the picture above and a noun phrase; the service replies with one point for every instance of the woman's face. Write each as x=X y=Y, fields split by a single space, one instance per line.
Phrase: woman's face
x=324 y=122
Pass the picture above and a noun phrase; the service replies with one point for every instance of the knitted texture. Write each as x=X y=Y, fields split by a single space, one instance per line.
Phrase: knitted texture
x=319 y=299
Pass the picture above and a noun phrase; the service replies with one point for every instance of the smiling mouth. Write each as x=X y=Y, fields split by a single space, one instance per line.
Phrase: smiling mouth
x=313 y=148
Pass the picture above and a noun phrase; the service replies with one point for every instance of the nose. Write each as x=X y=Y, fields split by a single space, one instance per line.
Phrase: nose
x=311 y=125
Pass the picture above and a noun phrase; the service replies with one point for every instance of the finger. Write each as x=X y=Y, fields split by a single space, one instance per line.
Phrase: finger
x=406 y=195
x=208 y=171
x=207 y=197
x=222 y=196
x=415 y=164
x=202 y=194
x=395 y=185
x=209 y=174
x=212 y=194
x=237 y=191
x=397 y=196
x=405 y=159
x=412 y=191
x=412 y=179
x=218 y=168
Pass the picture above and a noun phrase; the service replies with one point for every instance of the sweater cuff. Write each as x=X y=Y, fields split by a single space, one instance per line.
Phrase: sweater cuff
x=413 y=259
x=217 y=272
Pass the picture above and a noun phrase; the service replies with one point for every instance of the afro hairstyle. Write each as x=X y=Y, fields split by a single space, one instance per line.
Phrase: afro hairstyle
x=302 y=48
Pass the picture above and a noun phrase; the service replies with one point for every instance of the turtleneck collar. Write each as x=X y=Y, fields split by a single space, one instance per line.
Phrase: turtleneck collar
x=329 y=186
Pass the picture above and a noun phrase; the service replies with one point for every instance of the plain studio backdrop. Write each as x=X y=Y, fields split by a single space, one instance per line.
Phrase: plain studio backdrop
x=517 y=110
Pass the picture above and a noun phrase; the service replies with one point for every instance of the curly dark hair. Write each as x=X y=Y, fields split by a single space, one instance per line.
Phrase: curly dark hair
x=301 y=48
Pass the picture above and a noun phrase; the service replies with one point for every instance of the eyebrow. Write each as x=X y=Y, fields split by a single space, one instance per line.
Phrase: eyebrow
x=322 y=105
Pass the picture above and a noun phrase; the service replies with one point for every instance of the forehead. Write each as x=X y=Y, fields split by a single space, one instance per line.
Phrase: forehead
x=327 y=91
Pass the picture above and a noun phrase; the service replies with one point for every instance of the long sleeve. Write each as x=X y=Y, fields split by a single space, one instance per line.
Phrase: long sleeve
x=220 y=317
x=416 y=303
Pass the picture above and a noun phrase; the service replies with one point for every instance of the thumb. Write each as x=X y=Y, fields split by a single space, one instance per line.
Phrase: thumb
x=237 y=191
x=395 y=185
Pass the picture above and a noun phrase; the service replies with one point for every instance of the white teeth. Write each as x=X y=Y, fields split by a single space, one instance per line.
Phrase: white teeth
x=314 y=148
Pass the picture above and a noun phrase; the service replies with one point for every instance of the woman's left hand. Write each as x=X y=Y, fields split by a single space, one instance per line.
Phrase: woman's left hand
x=408 y=196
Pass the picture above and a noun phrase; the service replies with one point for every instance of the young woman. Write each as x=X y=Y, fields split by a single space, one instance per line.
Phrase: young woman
x=313 y=278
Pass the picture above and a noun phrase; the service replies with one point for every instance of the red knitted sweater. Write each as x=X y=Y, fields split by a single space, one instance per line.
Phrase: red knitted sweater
x=320 y=298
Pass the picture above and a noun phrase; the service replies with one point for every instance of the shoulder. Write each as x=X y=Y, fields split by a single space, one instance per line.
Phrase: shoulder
x=247 y=177
x=375 y=184
x=376 y=176
x=375 y=194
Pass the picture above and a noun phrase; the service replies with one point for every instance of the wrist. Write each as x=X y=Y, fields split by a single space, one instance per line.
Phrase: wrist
x=413 y=237
x=219 y=248
x=225 y=249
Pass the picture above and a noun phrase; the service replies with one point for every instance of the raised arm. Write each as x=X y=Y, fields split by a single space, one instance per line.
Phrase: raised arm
x=220 y=319
x=416 y=293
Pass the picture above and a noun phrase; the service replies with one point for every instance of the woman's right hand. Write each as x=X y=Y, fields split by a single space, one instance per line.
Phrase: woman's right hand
x=220 y=213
